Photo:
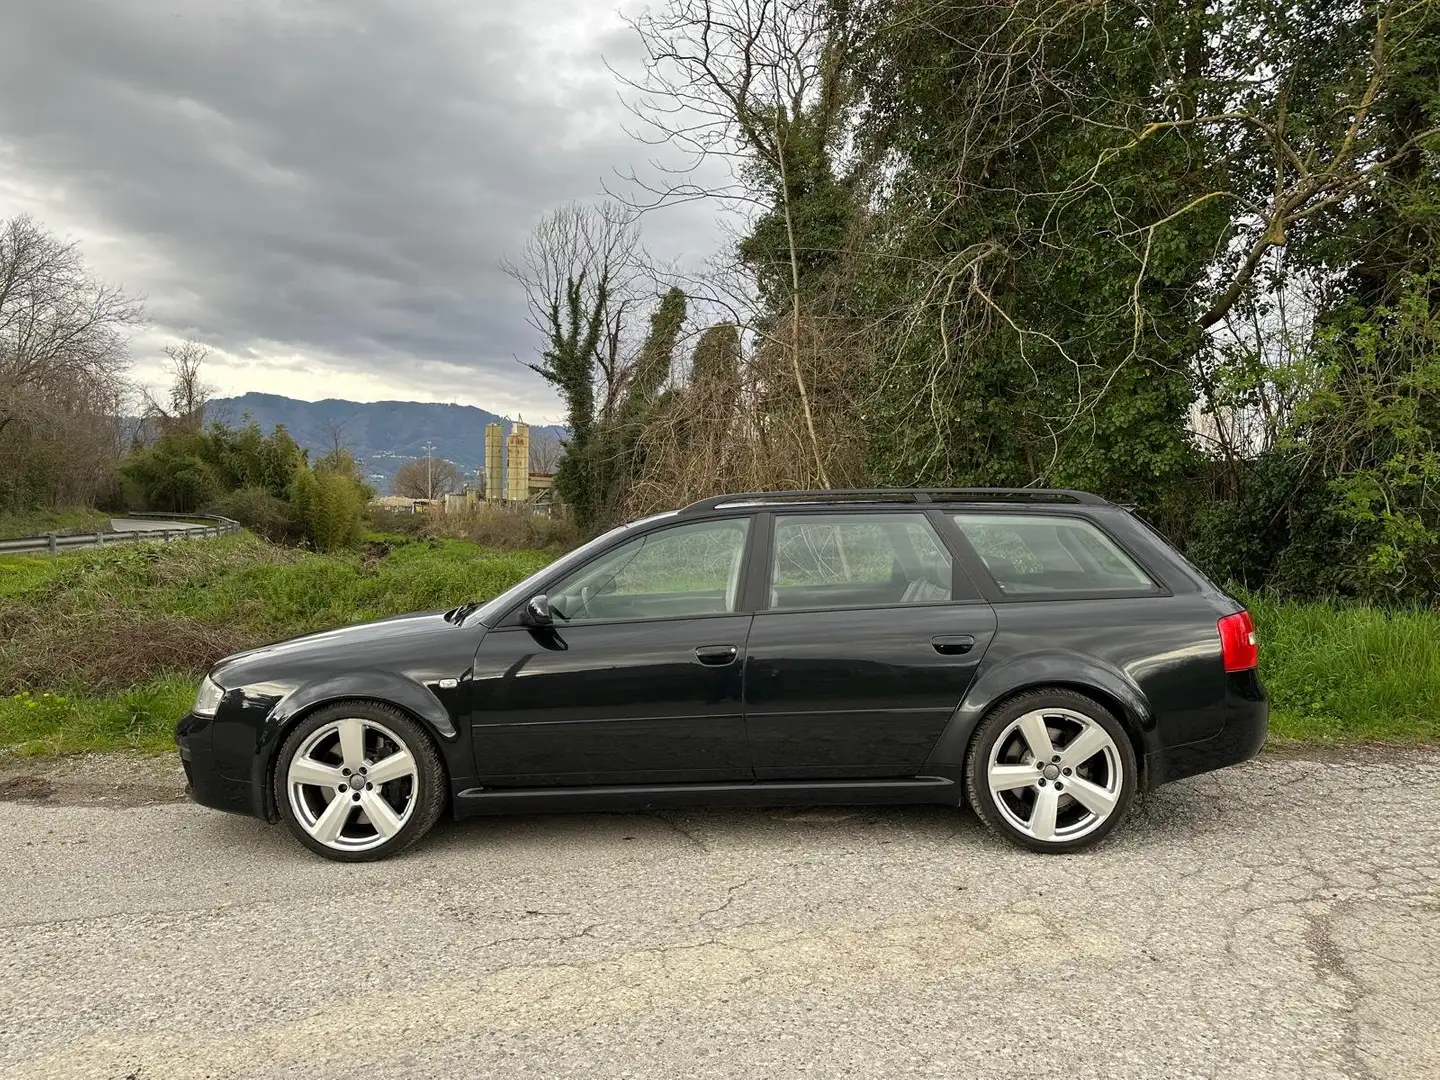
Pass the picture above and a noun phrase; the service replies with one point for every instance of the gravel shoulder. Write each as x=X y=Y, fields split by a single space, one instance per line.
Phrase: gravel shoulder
x=1279 y=918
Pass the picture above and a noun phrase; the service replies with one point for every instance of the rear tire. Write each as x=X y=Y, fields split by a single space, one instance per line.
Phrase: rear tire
x=358 y=781
x=1051 y=770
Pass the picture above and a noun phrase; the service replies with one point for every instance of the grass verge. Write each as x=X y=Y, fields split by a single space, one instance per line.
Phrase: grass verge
x=60 y=522
x=1348 y=673
x=101 y=650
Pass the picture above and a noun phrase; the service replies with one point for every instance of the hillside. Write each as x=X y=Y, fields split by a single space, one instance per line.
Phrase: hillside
x=382 y=434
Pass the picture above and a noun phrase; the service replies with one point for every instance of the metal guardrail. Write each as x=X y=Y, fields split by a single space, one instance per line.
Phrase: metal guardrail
x=52 y=544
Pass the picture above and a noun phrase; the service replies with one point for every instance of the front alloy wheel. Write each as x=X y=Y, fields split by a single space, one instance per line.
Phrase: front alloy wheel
x=358 y=781
x=1051 y=770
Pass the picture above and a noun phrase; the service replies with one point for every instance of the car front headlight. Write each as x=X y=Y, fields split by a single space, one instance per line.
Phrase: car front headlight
x=207 y=700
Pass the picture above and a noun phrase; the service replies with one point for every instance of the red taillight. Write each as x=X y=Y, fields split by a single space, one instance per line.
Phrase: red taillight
x=1237 y=642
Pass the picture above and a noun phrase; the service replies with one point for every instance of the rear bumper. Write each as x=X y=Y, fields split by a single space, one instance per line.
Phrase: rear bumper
x=1246 y=724
x=194 y=736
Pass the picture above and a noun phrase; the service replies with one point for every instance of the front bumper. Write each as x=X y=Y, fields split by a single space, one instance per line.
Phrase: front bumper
x=1246 y=724
x=195 y=738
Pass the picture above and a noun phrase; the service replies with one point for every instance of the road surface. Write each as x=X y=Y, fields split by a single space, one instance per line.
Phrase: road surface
x=1278 y=919
x=152 y=524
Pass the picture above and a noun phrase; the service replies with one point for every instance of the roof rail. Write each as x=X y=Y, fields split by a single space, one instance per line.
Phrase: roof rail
x=914 y=495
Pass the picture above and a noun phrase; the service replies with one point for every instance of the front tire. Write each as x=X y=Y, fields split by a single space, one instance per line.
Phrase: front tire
x=1051 y=770
x=358 y=781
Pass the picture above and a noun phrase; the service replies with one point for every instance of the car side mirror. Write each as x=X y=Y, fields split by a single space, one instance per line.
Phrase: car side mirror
x=537 y=610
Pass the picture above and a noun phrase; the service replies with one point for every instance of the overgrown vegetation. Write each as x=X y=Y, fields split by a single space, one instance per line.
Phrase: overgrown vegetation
x=1349 y=673
x=117 y=637
x=1181 y=254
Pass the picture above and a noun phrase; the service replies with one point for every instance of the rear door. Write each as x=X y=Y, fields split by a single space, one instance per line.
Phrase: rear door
x=868 y=637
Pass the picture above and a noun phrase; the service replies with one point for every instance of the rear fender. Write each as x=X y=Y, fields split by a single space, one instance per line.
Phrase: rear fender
x=1071 y=670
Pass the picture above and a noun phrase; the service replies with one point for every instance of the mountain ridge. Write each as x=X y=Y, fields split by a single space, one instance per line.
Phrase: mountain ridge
x=382 y=435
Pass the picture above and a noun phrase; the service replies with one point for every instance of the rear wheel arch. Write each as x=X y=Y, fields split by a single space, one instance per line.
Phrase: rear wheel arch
x=1097 y=801
x=1123 y=711
x=1106 y=686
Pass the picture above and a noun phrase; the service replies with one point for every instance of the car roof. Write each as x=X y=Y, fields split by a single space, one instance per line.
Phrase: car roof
x=852 y=497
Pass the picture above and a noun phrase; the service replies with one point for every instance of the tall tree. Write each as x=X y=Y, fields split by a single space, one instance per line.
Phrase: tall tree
x=578 y=272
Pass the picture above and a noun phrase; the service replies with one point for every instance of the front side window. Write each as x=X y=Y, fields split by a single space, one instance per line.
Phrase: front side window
x=1035 y=554
x=682 y=571
x=856 y=560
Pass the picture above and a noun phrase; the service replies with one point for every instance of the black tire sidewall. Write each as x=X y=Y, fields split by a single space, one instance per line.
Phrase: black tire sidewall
x=977 y=787
x=429 y=777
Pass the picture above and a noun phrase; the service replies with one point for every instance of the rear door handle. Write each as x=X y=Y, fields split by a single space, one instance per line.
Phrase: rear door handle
x=716 y=655
x=953 y=644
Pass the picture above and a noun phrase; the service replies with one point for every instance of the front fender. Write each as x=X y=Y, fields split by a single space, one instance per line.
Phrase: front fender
x=416 y=698
x=1030 y=671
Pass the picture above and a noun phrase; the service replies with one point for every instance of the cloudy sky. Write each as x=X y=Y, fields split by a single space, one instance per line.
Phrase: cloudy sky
x=320 y=190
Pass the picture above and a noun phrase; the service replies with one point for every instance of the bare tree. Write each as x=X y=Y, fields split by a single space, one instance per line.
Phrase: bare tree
x=188 y=395
x=581 y=266
x=544 y=450
x=63 y=360
x=426 y=478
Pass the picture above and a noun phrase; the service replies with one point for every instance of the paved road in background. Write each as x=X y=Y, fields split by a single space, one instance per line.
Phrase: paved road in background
x=151 y=524
x=1278 y=919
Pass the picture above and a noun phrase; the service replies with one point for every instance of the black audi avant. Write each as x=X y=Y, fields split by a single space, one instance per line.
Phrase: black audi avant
x=1040 y=655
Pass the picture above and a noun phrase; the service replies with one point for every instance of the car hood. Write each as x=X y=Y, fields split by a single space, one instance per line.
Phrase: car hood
x=361 y=645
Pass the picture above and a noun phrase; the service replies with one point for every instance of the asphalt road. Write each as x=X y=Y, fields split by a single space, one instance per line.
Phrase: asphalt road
x=1279 y=919
x=151 y=524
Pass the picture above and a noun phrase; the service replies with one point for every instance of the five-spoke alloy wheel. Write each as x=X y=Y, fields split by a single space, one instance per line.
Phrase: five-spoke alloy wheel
x=1051 y=770
x=358 y=781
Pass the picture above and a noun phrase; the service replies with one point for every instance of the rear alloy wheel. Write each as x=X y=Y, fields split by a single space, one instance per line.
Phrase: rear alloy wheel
x=1051 y=770
x=358 y=781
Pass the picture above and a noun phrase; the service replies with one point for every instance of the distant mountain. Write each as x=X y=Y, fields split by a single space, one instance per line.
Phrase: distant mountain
x=383 y=435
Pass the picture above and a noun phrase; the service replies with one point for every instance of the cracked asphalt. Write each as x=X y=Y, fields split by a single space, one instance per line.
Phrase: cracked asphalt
x=1277 y=919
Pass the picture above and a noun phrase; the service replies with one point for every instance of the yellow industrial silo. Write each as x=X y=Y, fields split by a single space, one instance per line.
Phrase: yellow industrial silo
x=517 y=464
x=494 y=463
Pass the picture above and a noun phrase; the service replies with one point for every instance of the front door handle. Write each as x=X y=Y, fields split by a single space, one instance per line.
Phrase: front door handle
x=952 y=644
x=716 y=655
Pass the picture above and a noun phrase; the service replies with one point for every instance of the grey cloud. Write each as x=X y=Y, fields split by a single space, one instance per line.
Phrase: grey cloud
x=337 y=177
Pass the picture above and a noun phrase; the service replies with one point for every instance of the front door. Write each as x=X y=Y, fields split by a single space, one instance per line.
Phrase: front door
x=639 y=679
x=869 y=641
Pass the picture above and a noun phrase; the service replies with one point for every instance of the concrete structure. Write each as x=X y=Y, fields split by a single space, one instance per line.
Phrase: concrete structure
x=398 y=504
x=517 y=464
x=494 y=463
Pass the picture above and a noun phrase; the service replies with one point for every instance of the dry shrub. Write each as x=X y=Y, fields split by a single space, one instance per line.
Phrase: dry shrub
x=111 y=651
x=751 y=429
x=503 y=527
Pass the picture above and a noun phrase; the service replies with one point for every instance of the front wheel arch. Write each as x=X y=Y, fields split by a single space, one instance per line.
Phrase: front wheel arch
x=271 y=760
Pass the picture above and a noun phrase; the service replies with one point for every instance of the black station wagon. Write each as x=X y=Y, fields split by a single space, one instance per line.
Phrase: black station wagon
x=1039 y=655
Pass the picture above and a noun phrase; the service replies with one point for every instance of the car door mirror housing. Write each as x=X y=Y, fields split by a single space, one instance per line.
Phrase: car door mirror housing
x=537 y=610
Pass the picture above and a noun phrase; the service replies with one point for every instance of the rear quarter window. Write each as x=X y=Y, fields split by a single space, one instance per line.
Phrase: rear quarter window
x=1040 y=554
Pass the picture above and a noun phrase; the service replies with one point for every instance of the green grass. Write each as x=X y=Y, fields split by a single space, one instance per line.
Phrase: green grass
x=60 y=522
x=1349 y=673
x=140 y=719
x=102 y=649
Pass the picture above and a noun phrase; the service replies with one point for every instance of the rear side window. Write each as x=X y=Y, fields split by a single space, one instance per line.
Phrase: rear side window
x=1035 y=554
x=856 y=560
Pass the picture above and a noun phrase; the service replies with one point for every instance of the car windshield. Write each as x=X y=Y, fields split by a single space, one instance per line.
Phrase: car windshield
x=492 y=612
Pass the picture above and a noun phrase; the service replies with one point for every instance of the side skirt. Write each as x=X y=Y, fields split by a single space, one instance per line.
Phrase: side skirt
x=473 y=802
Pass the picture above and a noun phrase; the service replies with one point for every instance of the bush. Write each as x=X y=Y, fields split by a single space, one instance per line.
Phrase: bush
x=329 y=506
x=262 y=513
